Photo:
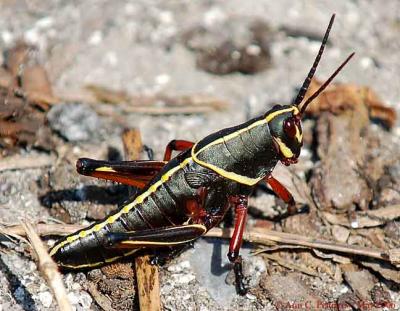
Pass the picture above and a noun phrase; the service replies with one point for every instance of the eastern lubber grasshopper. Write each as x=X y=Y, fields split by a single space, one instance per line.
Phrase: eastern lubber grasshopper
x=182 y=198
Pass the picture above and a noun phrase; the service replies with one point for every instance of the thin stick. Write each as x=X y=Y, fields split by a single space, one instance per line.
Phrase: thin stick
x=257 y=236
x=262 y=237
x=42 y=229
x=147 y=275
x=148 y=282
x=19 y=162
x=48 y=268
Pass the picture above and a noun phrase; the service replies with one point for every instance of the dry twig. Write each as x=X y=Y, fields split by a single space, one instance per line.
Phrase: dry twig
x=19 y=162
x=261 y=237
x=48 y=268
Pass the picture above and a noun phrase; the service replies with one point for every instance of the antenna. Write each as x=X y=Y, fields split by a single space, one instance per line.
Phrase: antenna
x=307 y=81
x=323 y=86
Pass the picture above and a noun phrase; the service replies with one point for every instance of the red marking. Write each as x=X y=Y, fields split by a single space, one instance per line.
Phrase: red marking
x=139 y=181
x=195 y=206
x=176 y=145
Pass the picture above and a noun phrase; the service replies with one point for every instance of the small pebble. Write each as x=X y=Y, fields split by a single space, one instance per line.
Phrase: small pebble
x=162 y=79
x=341 y=234
x=85 y=300
x=96 y=38
x=46 y=298
x=179 y=267
x=76 y=287
x=69 y=280
x=185 y=278
x=75 y=122
x=251 y=296
x=45 y=22
x=73 y=298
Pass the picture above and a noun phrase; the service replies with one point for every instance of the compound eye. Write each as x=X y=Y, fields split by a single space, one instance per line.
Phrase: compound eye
x=289 y=126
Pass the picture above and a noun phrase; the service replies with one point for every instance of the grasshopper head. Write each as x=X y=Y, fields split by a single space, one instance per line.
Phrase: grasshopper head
x=284 y=124
x=285 y=121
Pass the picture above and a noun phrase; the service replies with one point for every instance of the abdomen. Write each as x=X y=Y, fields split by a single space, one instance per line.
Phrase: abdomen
x=159 y=205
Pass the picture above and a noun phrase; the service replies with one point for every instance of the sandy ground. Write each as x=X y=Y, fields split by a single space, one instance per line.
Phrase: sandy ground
x=137 y=46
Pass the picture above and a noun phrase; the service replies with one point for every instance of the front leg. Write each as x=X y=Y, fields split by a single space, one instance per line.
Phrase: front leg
x=286 y=196
x=240 y=203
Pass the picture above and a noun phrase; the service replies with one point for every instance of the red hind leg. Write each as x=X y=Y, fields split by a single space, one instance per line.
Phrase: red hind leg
x=176 y=145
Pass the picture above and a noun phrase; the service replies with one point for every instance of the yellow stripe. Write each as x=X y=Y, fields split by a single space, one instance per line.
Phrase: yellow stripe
x=229 y=136
x=144 y=243
x=96 y=264
x=231 y=175
x=104 y=169
x=270 y=116
x=139 y=199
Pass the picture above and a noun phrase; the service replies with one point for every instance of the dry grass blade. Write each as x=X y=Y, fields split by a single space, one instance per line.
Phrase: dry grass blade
x=48 y=268
x=42 y=229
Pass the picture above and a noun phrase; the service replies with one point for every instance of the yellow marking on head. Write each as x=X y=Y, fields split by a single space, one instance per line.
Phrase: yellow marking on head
x=286 y=152
x=105 y=169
